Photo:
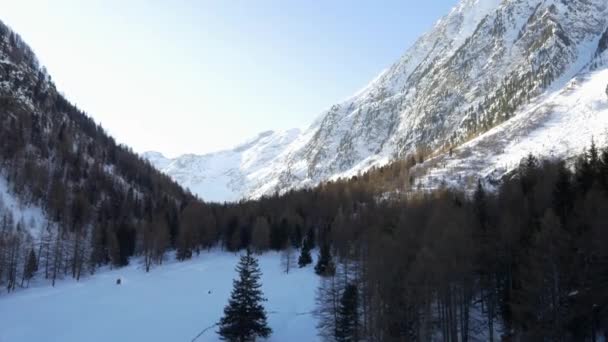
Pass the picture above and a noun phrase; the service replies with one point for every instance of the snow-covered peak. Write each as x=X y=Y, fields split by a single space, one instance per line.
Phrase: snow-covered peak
x=225 y=175
x=157 y=159
x=477 y=68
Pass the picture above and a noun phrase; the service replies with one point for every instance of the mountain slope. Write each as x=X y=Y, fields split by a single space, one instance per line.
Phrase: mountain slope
x=65 y=185
x=479 y=67
x=558 y=124
x=225 y=175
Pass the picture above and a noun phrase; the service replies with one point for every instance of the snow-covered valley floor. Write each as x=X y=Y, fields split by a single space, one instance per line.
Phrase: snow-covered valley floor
x=173 y=302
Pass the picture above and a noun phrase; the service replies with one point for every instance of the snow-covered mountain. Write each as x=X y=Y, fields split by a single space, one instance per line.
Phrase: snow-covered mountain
x=225 y=175
x=482 y=67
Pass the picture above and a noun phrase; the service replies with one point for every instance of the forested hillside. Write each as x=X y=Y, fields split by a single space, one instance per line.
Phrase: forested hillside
x=94 y=194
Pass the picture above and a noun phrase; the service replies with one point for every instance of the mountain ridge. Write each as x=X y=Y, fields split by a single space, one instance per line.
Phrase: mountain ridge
x=477 y=68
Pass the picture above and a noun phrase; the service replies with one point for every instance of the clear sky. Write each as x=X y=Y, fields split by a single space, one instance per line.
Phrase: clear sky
x=180 y=76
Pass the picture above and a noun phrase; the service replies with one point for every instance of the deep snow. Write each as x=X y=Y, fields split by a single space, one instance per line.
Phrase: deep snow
x=170 y=303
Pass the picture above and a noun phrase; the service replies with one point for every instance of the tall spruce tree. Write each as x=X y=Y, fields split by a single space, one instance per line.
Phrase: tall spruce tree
x=563 y=193
x=244 y=316
x=348 y=319
x=305 y=258
x=325 y=265
x=30 y=267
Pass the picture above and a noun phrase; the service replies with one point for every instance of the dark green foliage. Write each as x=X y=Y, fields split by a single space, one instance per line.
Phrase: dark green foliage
x=563 y=193
x=244 y=316
x=325 y=264
x=296 y=236
x=279 y=234
x=305 y=258
x=310 y=237
x=31 y=266
x=584 y=173
x=348 y=317
x=479 y=202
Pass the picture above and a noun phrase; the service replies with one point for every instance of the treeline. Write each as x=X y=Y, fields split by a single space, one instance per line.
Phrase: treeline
x=526 y=263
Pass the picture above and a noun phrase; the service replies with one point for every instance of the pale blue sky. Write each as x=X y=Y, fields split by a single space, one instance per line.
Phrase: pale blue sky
x=197 y=76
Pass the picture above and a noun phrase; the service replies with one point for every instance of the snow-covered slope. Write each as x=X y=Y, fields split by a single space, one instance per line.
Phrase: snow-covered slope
x=30 y=217
x=175 y=302
x=225 y=175
x=559 y=124
x=479 y=67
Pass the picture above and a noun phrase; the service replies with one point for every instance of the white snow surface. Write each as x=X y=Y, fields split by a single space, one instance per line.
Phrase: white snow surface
x=30 y=215
x=170 y=303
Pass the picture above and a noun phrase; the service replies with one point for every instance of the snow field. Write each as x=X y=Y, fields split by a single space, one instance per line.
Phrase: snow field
x=173 y=302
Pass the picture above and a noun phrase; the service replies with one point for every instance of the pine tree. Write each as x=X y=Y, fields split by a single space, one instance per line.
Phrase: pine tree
x=479 y=201
x=31 y=266
x=244 y=316
x=310 y=239
x=594 y=157
x=305 y=257
x=584 y=173
x=348 y=319
x=325 y=265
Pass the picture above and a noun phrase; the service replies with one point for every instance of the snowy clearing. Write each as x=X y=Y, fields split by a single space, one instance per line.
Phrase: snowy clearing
x=173 y=302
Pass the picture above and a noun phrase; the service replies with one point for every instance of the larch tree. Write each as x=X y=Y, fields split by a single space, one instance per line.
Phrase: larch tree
x=288 y=258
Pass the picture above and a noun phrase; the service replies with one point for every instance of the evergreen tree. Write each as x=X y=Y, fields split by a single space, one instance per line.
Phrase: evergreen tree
x=244 y=316
x=562 y=193
x=310 y=238
x=603 y=171
x=325 y=265
x=348 y=319
x=31 y=266
x=479 y=201
x=584 y=173
x=296 y=237
x=528 y=170
x=305 y=257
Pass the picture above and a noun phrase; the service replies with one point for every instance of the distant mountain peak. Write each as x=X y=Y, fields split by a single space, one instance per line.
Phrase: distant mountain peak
x=225 y=175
